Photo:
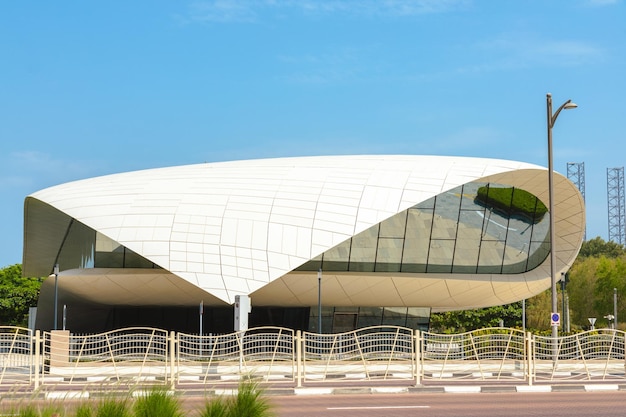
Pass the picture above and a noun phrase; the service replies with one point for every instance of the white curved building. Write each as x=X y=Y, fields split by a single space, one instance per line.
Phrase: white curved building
x=413 y=234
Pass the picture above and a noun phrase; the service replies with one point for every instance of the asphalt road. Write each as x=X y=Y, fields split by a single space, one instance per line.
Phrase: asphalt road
x=554 y=404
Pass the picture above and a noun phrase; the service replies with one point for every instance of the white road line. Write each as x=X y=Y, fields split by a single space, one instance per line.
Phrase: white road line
x=382 y=407
x=495 y=222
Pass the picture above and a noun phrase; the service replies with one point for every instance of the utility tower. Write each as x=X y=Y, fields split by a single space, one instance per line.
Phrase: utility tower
x=576 y=174
x=617 y=208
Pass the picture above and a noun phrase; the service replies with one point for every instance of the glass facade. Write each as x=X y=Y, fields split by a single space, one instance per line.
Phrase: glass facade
x=345 y=319
x=85 y=248
x=476 y=228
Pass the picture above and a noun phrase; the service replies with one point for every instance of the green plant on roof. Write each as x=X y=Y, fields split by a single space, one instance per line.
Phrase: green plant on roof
x=512 y=201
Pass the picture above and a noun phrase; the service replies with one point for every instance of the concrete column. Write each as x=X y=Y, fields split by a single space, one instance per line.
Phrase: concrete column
x=59 y=348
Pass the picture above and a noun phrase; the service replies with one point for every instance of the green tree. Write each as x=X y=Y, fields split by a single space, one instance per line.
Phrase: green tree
x=581 y=290
x=538 y=310
x=17 y=294
x=599 y=268
x=598 y=247
x=468 y=320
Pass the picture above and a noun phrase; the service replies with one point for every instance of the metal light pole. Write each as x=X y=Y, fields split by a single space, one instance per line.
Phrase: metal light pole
x=615 y=308
x=56 y=294
x=551 y=119
x=319 y=300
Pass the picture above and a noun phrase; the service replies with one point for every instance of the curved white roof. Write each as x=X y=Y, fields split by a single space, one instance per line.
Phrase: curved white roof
x=234 y=227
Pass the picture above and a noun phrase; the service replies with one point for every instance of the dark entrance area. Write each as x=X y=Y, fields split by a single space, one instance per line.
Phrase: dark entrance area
x=215 y=320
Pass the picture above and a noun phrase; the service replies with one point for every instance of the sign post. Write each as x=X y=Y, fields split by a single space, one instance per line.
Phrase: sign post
x=555 y=319
x=592 y=321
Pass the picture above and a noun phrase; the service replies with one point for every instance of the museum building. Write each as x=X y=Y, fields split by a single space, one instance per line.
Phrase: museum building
x=372 y=239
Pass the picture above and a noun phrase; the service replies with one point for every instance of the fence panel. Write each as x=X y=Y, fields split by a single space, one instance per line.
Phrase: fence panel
x=592 y=355
x=130 y=356
x=266 y=353
x=16 y=356
x=143 y=356
x=372 y=353
x=486 y=354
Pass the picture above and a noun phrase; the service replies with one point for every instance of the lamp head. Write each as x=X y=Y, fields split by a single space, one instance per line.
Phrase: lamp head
x=569 y=105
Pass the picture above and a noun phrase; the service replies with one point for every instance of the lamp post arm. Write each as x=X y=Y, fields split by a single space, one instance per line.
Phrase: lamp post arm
x=556 y=113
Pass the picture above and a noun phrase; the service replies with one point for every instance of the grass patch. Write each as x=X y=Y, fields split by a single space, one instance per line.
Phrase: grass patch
x=512 y=201
x=157 y=403
x=248 y=402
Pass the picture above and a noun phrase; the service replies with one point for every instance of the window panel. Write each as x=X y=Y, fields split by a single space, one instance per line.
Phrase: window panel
x=467 y=243
x=394 y=226
x=416 y=243
x=389 y=255
x=468 y=200
x=336 y=259
x=440 y=256
x=446 y=217
x=539 y=251
x=363 y=250
x=109 y=253
x=490 y=260
x=133 y=260
x=454 y=232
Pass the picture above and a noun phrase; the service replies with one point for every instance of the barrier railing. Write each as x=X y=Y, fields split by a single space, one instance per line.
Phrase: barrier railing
x=372 y=353
x=492 y=353
x=264 y=352
x=144 y=356
x=16 y=355
x=592 y=355
x=129 y=356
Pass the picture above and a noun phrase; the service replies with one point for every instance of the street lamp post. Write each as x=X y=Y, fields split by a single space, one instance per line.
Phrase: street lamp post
x=319 y=300
x=56 y=294
x=551 y=119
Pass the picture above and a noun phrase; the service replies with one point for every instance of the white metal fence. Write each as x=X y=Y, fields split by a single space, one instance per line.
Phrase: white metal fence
x=143 y=356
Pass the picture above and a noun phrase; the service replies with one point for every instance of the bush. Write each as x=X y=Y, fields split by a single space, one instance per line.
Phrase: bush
x=247 y=403
x=158 y=403
x=111 y=407
x=513 y=201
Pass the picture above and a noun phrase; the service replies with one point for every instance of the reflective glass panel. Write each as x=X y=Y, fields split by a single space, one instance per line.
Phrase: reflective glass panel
x=490 y=258
x=440 y=256
x=363 y=250
x=416 y=244
x=389 y=255
x=336 y=259
x=394 y=226
x=477 y=228
x=78 y=247
x=467 y=248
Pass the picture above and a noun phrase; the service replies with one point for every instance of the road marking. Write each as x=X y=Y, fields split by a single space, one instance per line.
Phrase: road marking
x=495 y=222
x=382 y=407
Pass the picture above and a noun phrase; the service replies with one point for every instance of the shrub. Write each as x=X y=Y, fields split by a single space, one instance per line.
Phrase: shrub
x=158 y=403
x=247 y=403
x=84 y=410
x=513 y=201
x=111 y=407
x=215 y=408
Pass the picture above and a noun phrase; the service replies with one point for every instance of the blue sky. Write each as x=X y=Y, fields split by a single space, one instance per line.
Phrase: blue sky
x=91 y=88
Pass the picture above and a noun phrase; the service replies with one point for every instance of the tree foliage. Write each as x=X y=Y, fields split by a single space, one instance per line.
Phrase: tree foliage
x=468 y=320
x=597 y=247
x=17 y=294
x=599 y=269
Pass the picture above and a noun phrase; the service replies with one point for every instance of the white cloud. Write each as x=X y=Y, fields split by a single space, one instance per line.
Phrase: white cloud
x=601 y=3
x=527 y=51
x=34 y=170
x=223 y=11
x=246 y=11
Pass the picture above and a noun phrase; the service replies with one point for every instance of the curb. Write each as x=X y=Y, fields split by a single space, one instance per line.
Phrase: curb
x=318 y=391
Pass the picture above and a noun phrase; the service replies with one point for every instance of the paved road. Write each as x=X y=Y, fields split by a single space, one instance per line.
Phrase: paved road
x=555 y=404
